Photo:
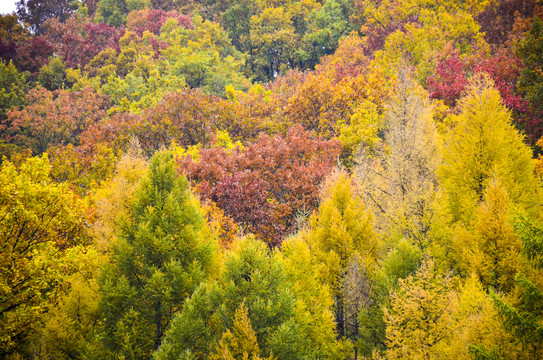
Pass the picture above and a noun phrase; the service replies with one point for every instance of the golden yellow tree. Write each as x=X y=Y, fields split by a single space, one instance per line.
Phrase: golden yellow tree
x=343 y=241
x=483 y=145
x=419 y=319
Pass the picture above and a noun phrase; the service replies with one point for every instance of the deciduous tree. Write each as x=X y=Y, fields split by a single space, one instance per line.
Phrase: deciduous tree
x=39 y=221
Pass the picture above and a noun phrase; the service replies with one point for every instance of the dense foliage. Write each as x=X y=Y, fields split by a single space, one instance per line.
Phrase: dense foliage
x=294 y=179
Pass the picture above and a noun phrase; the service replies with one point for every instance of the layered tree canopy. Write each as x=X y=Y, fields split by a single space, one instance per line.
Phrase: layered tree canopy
x=287 y=179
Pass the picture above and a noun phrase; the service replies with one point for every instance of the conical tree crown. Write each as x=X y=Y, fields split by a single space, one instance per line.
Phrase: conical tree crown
x=484 y=145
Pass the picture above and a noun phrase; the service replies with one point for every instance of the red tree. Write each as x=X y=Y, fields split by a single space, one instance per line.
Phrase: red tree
x=268 y=184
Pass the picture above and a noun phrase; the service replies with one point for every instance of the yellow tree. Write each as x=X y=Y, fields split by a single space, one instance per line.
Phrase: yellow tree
x=342 y=233
x=491 y=249
x=39 y=221
x=314 y=298
x=482 y=145
x=399 y=175
x=419 y=319
x=476 y=326
x=113 y=199
x=240 y=342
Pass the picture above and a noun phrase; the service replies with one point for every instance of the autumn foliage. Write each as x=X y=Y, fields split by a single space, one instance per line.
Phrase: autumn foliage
x=294 y=179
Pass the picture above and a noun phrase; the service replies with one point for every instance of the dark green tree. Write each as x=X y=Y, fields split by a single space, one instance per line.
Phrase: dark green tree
x=251 y=280
x=163 y=253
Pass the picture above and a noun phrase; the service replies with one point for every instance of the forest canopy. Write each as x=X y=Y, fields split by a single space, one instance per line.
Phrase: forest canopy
x=286 y=179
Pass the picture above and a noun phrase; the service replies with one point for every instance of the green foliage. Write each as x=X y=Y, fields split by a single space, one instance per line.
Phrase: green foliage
x=163 y=253
x=530 y=50
x=355 y=278
x=114 y=12
x=203 y=56
x=401 y=261
x=327 y=25
x=53 y=75
x=240 y=343
x=255 y=280
x=13 y=88
x=523 y=316
x=314 y=301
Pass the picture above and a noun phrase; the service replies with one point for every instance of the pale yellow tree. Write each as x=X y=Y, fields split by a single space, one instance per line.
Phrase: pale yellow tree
x=400 y=181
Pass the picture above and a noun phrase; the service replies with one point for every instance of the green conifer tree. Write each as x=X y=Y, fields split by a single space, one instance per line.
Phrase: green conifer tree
x=162 y=255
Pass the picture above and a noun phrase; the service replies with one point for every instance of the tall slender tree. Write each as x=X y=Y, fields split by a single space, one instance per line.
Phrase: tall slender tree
x=163 y=253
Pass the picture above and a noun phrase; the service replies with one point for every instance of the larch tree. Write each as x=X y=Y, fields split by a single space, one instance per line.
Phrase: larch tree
x=343 y=240
x=489 y=248
x=163 y=253
x=483 y=145
x=522 y=313
x=400 y=180
x=419 y=319
x=240 y=342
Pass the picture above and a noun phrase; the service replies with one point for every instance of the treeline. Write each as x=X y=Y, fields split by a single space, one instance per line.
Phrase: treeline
x=335 y=179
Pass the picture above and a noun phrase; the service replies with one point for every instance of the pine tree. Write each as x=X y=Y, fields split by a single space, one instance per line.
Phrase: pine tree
x=161 y=257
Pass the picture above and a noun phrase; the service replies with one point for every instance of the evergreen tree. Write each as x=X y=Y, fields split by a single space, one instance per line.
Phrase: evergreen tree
x=212 y=322
x=161 y=257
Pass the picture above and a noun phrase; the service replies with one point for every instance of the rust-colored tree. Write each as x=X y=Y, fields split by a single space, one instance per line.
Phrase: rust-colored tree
x=268 y=184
